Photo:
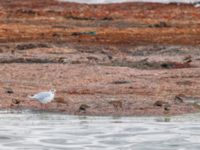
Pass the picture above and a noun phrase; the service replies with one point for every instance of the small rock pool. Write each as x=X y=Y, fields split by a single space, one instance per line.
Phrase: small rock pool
x=31 y=130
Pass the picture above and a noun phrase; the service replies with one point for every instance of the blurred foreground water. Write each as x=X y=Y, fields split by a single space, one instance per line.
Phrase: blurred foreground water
x=32 y=130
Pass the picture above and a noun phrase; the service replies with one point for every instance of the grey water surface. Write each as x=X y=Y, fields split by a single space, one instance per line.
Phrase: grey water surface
x=31 y=130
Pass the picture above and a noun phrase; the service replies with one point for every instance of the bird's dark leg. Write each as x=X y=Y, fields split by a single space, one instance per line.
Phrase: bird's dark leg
x=45 y=106
x=41 y=105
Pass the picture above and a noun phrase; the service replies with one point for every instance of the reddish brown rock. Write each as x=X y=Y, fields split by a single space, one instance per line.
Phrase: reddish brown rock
x=116 y=61
x=116 y=104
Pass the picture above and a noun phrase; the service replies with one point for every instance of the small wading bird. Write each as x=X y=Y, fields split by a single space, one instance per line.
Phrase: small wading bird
x=44 y=97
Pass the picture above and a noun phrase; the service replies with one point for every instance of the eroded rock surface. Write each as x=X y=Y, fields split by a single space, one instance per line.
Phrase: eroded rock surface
x=116 y=59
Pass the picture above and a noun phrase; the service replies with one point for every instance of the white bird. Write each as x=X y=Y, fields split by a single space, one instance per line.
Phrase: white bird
x=44 y=97
x=197 y=5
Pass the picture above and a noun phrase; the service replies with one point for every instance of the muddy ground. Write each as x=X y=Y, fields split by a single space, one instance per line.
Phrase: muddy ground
x=116 y=59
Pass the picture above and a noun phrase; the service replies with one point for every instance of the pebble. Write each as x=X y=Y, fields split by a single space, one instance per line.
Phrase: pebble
x=9 y=91
x=83 y=107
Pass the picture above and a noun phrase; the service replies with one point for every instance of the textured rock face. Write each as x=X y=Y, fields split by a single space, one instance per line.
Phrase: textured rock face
x=118 y=59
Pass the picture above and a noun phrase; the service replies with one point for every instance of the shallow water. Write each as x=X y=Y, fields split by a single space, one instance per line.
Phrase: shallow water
x=47 y=131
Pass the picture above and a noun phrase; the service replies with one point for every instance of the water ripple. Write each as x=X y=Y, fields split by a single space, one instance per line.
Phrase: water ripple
x=46 y=131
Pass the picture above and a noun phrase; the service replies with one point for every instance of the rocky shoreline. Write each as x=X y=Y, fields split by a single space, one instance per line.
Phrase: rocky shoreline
x=117 y=59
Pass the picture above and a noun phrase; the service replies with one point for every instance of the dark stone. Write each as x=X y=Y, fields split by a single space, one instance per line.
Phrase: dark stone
x=178 y=99
x=83 y=107
x=92 y=58
x=78 y=18
x=121 y=82
x=56 y=35
x=159 y=25
x=160 y=103
x=26 y=46
x=84 y=33
x=16 y=101
x=9 y=91
x=167 y=65
x=76 y=62
x=12 y=51
x=184 y=83
x=187 y=59
x=26 y=11
x=31 y=46
x=110 y=57
x=167 y=107
x=62 y=60
x=107 y=18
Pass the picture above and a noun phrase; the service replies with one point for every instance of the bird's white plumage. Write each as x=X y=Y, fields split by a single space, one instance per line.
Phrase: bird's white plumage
x=197 y=5
x=44 y=97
